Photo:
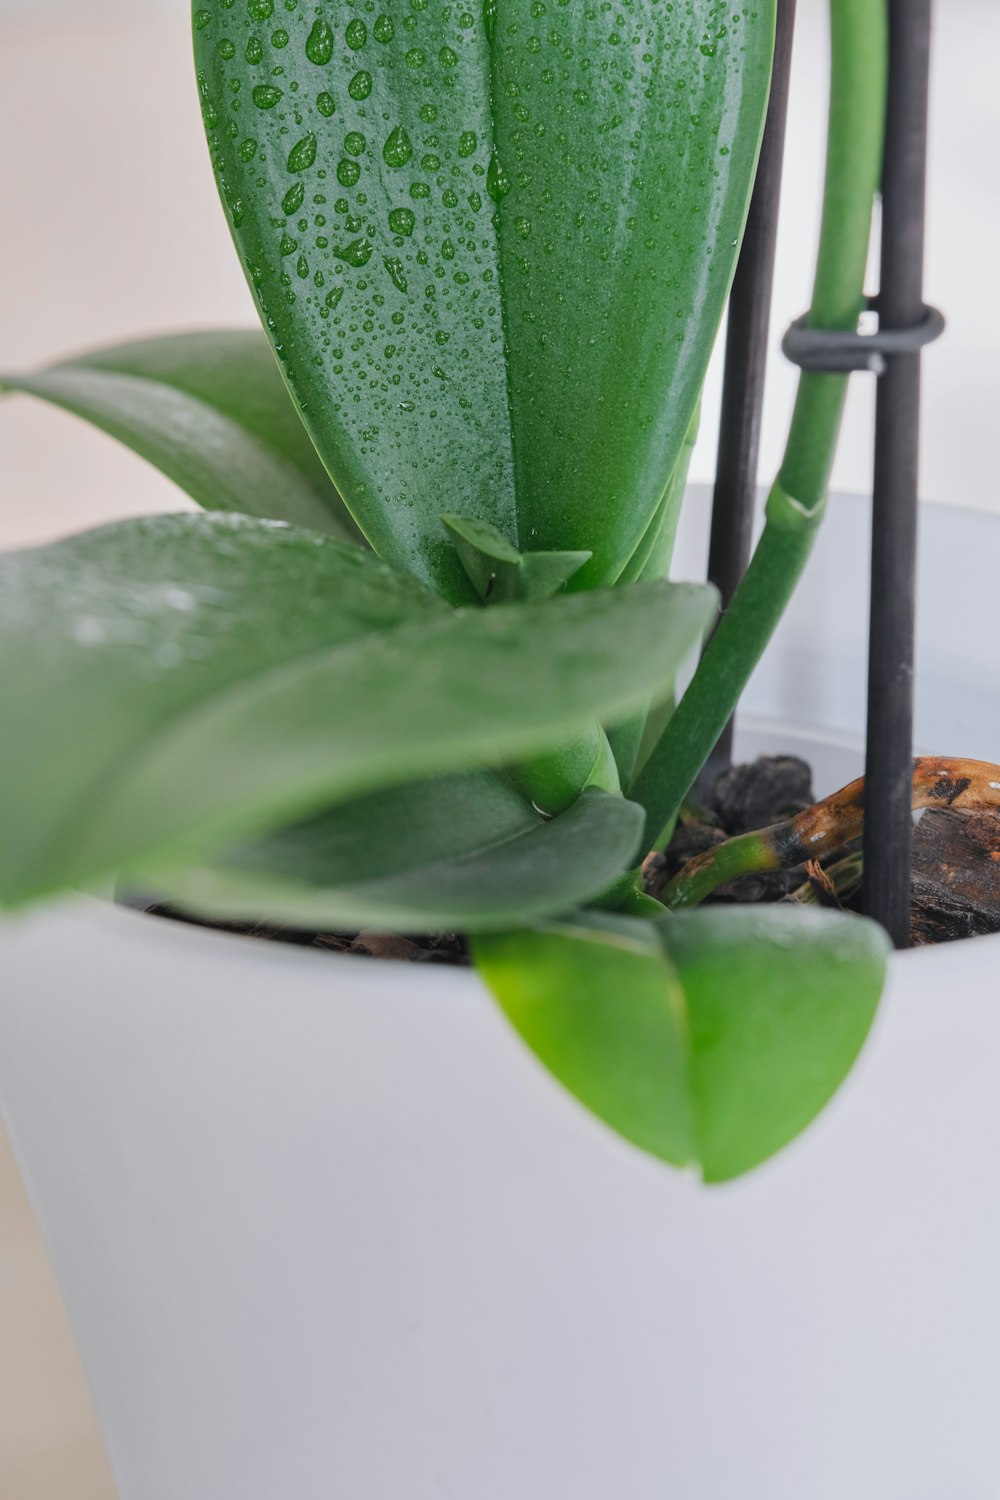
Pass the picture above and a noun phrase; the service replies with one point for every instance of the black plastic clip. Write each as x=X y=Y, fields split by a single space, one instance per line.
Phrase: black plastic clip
x=826 y=351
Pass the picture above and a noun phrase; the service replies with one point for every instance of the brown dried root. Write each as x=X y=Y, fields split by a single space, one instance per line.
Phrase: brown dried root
x=962 y=785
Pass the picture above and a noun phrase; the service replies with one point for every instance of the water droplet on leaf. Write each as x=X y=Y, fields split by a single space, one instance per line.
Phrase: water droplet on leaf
x=497 y=181
x=394 y=266
x=303 y=154
x=266 y=95
x=402 y=220
x=398 y=148
x=357 y=253
x=319 y=43
x=292 y=201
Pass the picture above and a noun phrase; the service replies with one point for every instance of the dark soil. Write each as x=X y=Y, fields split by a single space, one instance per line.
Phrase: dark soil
x=956 y=869
x=435 y=948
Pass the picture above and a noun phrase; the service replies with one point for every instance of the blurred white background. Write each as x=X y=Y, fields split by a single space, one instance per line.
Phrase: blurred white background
x=111 y=229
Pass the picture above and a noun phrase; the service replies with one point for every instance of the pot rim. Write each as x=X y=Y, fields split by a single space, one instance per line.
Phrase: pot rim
x=119 y=921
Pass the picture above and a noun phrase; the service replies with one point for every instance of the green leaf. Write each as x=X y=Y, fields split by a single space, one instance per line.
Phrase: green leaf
x=778 y=1010
x=598 y=1003
x=499 y=572
x=491 y=247
x=210 y=411
x=114 y=636
x=712 y=1038
x=466 y=853
x=174 y=684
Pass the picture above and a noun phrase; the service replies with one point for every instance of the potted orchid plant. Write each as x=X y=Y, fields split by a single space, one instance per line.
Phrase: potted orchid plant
x=418 y=682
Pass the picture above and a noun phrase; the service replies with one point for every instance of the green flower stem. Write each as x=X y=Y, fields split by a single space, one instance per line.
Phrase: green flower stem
x=859 y=46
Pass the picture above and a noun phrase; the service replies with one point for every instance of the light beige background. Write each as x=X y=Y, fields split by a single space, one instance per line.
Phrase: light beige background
x=109 y=228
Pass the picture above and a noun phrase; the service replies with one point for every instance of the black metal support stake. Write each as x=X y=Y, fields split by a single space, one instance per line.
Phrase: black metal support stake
x=746 y=352
x=888 y=797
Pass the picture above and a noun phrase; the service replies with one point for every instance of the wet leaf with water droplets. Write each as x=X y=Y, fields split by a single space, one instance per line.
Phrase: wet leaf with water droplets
x=179 y=683
x=575 y=233
x=133 y=630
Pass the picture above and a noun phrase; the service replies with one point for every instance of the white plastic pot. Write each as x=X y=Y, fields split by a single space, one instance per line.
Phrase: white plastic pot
x=326 y=1230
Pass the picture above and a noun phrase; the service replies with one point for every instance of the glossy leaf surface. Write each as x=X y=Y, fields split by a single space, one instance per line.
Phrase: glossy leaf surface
x=708 y=1039
x=210 y=411
x=176 y=683
x=492 y=246
x=463 y=853
x=113 y=636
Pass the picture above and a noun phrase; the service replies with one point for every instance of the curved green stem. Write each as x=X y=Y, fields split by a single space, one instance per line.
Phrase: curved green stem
x=859 y=44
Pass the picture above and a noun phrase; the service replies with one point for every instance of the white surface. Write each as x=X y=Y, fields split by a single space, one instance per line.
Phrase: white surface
x=111 y=229
x=325 y=1228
